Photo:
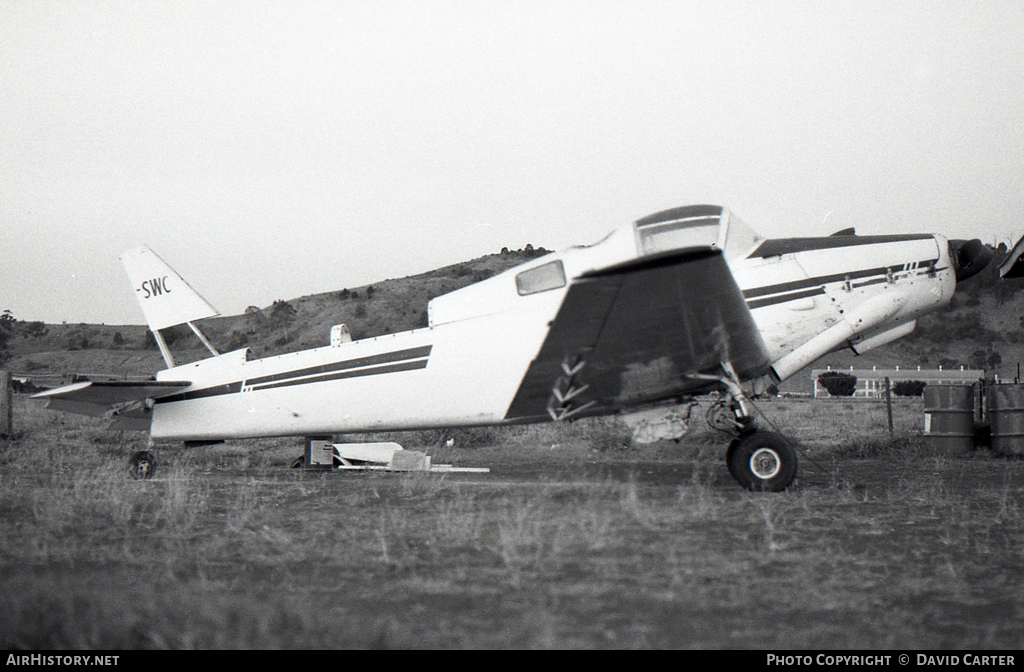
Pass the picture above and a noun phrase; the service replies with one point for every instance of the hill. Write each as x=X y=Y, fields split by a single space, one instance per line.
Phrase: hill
x=983 y=327
x=54 y=353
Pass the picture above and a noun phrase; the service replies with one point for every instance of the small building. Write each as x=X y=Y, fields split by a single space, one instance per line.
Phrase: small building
x=871 y=382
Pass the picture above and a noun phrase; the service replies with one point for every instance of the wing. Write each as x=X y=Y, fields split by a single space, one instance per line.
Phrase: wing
x=641 y=332
x=100 y=398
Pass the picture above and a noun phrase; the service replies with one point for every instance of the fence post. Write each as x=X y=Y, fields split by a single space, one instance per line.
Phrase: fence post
x=6 y=406
x=888 y=402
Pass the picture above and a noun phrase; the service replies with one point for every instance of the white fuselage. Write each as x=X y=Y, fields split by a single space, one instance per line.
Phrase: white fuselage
x=813 y=302
x=808 y=299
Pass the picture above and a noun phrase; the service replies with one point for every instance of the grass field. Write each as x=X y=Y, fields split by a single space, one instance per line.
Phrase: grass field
x=572 y=541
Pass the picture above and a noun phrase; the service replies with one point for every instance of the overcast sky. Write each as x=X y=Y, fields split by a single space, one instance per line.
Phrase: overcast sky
x=271 y=150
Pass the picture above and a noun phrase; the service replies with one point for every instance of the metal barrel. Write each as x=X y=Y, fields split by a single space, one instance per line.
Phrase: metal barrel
x=949 y=418
x=1006 y=411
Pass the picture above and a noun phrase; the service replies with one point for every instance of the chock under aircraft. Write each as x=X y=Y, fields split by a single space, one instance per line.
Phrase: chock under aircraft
x=682 y=303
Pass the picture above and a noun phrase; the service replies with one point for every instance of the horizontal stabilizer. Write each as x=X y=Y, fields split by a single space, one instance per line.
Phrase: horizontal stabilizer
x=98 y=398
x=166 y=299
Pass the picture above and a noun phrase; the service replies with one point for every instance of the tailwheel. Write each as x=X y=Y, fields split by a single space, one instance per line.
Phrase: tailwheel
x=763 y=461
x=143 y=464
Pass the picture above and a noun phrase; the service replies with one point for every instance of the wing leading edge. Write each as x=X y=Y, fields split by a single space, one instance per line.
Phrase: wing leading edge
x=641 y=332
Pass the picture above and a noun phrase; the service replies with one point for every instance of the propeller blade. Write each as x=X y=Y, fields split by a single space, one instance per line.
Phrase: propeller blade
x=1013 y=266
x=970 y=257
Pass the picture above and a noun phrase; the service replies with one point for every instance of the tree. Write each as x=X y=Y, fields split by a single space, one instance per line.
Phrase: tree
x=254 y=318
x=7 y=322
x=985 y=359
x=34 y=329
x=282 y=314
x=994 y=359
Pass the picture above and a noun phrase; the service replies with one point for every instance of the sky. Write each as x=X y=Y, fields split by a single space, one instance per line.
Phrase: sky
x=270 y=150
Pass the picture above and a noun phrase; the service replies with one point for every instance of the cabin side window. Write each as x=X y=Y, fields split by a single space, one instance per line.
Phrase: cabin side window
x=541 y=279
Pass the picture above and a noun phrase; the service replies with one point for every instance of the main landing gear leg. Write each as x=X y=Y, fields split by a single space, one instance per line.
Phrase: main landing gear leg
x=757 y=459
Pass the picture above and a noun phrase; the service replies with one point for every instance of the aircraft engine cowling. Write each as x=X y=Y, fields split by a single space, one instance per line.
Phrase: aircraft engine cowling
x=969 y=257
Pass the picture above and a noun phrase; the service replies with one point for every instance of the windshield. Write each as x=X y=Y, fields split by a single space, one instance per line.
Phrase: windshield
x=690 y=226
x=740 y=238
x=696 y=226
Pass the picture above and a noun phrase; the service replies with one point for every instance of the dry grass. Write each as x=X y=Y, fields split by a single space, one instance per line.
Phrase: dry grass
x=573 y=541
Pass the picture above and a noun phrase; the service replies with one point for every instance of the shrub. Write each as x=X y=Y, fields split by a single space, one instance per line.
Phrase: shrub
x=282 y=314
x=34 y=330
x=239 y=340
x=482 y=274
x=908 y=388
x=838 y=384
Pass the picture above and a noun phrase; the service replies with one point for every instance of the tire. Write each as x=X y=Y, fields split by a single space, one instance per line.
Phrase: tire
x=762 y=461
x=143 y=464
x=728 y=457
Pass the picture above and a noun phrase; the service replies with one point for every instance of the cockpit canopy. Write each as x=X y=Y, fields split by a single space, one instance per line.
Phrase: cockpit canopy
x=537 y=283
x=695 y=226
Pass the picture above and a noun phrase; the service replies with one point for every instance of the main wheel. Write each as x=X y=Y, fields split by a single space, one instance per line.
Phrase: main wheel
x=143 y=464
x=762 y=461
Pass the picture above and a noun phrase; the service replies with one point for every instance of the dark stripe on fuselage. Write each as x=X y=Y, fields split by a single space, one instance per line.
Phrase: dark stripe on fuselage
x=789 y=291
x=876 y=281
x=783 y=298
x=397 y=356
x=351 y=368
x=780 y=246
x=217 y=390
x=389 y=368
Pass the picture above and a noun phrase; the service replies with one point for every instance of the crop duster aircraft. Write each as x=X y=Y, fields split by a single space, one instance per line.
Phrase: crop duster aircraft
x=685 y=302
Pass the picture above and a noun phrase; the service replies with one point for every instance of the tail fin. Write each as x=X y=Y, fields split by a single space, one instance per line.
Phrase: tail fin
x=165 y=297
